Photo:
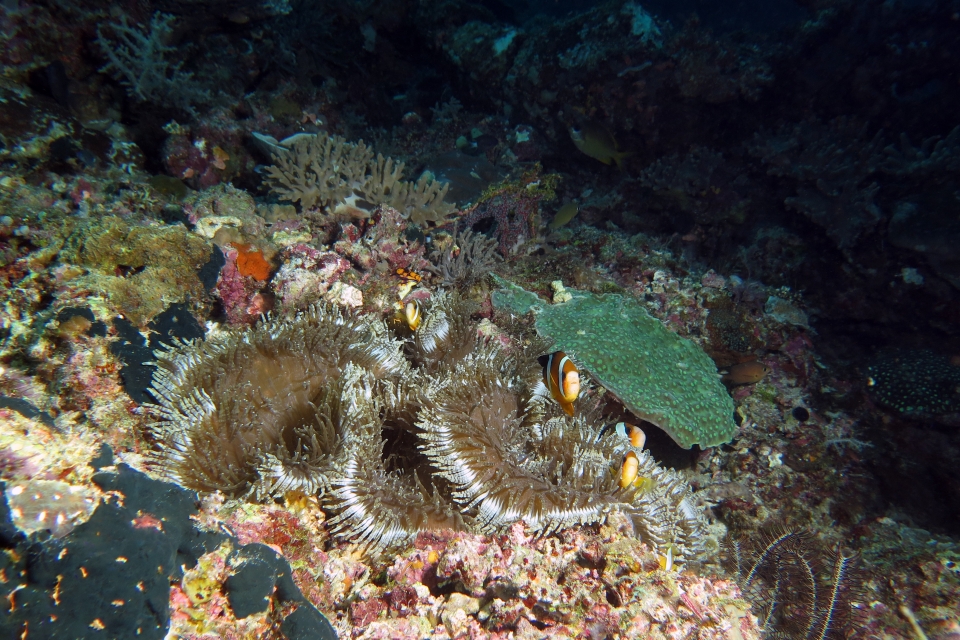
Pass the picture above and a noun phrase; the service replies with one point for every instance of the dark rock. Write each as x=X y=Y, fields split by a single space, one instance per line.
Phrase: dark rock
x=256 y=571
x=132 y=348
x=306 y=623
x=209 y=273
x=110 y=577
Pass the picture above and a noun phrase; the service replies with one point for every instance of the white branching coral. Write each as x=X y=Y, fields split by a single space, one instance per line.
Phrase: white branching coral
x=329 y=172
x=141 y=59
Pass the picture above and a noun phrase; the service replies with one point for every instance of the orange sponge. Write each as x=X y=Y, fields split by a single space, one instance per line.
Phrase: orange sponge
x=251 y=262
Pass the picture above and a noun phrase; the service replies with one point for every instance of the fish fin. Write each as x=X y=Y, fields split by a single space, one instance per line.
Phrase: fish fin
x=567 y=407
x=544 y=359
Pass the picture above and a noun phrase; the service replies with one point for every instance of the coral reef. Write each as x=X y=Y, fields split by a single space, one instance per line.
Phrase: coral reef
x=323 y=403
x=924 y=225
x=465 y=259
x=780 y=573
x=134 y=266
x=729 y=329
x=459 y=584
x=514 y=208
x=782 y=193
x=112 y=573
x=835 y=164
x=209 y=153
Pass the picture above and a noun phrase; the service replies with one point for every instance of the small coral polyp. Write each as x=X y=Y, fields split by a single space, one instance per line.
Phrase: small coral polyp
x=444 y=431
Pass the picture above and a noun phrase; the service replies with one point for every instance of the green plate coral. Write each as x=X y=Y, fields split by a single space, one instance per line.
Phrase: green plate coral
x=656 y=374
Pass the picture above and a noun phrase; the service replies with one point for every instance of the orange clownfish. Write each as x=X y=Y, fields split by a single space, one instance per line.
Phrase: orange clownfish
x=629 y=469
x=413 y=314
x=562 y=379
x=635 y=434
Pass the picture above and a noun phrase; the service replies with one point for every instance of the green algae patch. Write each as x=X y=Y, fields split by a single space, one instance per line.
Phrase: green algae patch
x=656 y=374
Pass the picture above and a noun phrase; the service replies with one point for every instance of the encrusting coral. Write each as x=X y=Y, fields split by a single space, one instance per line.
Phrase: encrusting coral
x=443 y=431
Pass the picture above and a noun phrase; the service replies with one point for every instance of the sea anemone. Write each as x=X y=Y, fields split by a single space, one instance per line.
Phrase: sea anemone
x=257 y=410
x=465 y=260
x=442 y=431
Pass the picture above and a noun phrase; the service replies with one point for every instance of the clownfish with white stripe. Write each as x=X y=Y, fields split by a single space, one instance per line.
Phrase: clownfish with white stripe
x=633 y=433
x=630 y=468
x=562 y=379
x=413 y=314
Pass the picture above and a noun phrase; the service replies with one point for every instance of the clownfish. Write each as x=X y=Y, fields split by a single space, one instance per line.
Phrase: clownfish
x=413 y=314
x=666 y=559
x=628 y=475
x=562 y=379
x=635 y=434
x=629 y=469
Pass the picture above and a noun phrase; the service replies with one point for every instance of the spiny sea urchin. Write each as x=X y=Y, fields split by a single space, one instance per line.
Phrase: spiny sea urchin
x=442 y=431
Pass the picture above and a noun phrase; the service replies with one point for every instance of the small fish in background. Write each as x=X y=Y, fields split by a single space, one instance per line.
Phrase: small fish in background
x=594 y=140
x=408 y=275
x=744 y=373
x=74 y=327
x=409 y=281
x=562 y=379
x=566 y=213
x=666 y=559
